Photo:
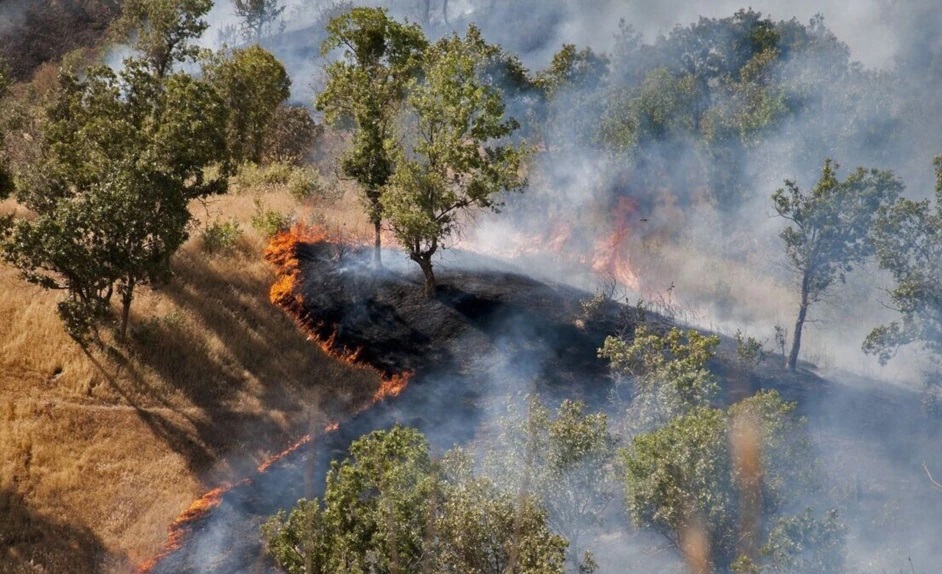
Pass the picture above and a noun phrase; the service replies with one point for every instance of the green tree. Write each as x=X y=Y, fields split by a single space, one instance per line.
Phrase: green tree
x=691 y=473
x=566 y=461
x=252 y=83
x=829 y=231
x=908 y=239
x=667 y=373
x=366 y=88
x=459 y=158
x=122 y=156
x=163 y=31
x=259 y=18
x=389 y=508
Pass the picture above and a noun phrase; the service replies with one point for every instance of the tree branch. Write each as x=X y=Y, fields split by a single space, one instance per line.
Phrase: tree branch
x=929 y=474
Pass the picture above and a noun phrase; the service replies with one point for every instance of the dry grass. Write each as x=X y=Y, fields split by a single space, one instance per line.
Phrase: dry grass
x=98 y=454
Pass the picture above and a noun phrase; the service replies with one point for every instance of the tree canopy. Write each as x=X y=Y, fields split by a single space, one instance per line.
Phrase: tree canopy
x=389 y=507
x=163 y=31
x=458 y=156
x=122 y=156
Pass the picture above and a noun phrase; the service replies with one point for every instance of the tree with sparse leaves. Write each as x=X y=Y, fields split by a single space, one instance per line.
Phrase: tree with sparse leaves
x=566 y=461
x=260 y=18
x=163 y=31
x=365 y=89
x=829 y=231
x=458 y=156
x=908 y=238
x=122 y=156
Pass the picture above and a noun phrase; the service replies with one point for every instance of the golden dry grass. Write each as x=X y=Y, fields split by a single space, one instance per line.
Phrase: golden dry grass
x=98 y=454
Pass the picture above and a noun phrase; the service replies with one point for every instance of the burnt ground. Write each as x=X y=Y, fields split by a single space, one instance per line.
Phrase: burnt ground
x=491 y=336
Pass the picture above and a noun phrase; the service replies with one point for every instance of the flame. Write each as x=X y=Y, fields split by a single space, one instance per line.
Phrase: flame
x=199 y=507
x=180 y=526
x=282 y=253
x=611 y=255
x=392 y=386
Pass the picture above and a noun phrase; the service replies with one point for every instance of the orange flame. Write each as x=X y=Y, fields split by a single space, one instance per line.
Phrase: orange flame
x=611 y=255
x=283 y=255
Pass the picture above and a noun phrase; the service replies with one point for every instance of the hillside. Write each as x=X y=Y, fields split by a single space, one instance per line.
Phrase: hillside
x=34 y=33
x=100 y=453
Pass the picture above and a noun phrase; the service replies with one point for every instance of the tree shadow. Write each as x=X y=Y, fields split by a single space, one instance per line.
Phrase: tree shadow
x=30 y=542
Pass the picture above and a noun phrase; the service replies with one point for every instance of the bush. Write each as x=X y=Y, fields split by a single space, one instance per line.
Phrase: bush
x=305 y=183
x=221 y=236
x=255 y=175
x=267 y=221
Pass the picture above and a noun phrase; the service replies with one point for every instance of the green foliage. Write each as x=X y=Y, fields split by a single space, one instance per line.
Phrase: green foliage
x=802 y=543
x=365 y=88
x=566 y=460
x=305 y=183
x=290 y=135
x=389 y=508
x=163 y=31
x=668 y=373
x=908 y=239
x=829 y=230
x=749 y=351
x=268 y=221
x=122 y=156
x=687 y=472
x=459 y=157
x=221 y=236
x=253 y=84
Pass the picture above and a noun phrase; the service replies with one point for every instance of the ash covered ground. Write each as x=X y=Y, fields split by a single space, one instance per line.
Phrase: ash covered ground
x=493 y=335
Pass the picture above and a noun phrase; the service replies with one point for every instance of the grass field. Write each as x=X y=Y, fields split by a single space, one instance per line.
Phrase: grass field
x=100 y=452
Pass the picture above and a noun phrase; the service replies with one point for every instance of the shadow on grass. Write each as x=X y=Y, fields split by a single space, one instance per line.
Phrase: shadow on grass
x=30 y=542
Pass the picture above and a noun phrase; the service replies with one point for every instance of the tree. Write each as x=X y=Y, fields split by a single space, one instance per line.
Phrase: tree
x=667 y=373
x=829 y=231
x=252 y=83
x=390 y=508
x=459 y=157
x=163 y=31
x=366 y=87
x=259 y=17
x=122 y=156
x=695 y=474
x=908 y=239
x=566 y=461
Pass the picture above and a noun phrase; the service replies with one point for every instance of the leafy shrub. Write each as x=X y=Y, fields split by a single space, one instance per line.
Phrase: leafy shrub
x=305 y=183
x=267 y=221
x=221 y=236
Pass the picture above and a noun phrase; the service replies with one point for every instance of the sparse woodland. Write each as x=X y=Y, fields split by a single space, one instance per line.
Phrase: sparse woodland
x=143 y=363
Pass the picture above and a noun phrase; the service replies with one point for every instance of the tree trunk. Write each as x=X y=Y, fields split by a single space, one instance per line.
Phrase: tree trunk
x=799 y=323
x=425 y=262
x=126 y=297
x=377 y=244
